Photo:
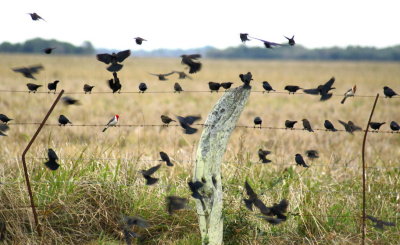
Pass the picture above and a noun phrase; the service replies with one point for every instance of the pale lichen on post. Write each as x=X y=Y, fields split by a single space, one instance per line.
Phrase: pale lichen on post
x=219 y=125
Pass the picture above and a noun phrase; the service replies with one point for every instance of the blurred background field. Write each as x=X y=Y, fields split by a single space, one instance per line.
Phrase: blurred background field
x=98 y=181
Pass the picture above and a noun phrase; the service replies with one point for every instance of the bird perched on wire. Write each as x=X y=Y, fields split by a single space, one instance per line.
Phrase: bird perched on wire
x=244 y=37
x=115 y=84
x=268 y=44
x=307 y=125
x=290 y=124
x=48 y=50
x=246 y=79
x=394 y=126
x=214 y=86
x=350 y=127
x=322 y=90
x=162 y=77
x=226 y=85
x=388 y=92
x=291 y=41
x=329 y=126
x=376 y=125
x=29 y=71
x=36 y=17
x=186 y=123
x=267 y=87
x=292 y=88
x=114 y=59
x=300 y=160
x=177 y=88
x=312 y=154
x=52 y=160
x=32 y=87
x=175 y=203
x=112 y=123
x=182 y=75
x=87 y=88
x=142 y=87
x=5 y=119
x=3 y=128
x=148 y=173
x=165 y=158
x=70 y=101
x=63 y=120
x=166 y=120
x=379 y=224
x=191 y=61
x=139 y=40
x=350 y=93
x=53 y=86
x=257 y=121
x=262 y=155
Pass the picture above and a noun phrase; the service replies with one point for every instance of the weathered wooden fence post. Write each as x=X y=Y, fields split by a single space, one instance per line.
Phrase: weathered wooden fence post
x=218 y=128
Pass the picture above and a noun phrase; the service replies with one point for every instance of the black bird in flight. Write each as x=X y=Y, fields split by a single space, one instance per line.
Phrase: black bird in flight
x=33 y=87
x=292 y=88
x=291 y=41
x=35 y=16
x=70 y=101
x=194 y=188
x=244 y=37
x=29 y=71
x=307 y=125
x=376 y=125
x=268 y=44
x=139 y=40
x=226 y=85
x=389 y=92
x=350 y=127
x=177 y=88
x=142 y=87
x=182 y=75
x=300 y=160
x=380 y=224
x=165 y=158
x=87 y=88
x=48 y=50
x=257 y=121
x=5 y=119
x=267 y=87
x=246 y=79
x=175 y=203
x=394 y=126
x=115 y=84
x=147 y=174
x=63 y=120
x=191 y=61
x=322 y=90
x=162 y=77
x=329 y=126
x=214 y=86
x=166 y=120
x=185 y=123
x=53 y=86
x=129 y=222
x=312 y=154
x=114 y=59
x=52 y=161
x=3 y=129
x=262 y=154
x=290 y=124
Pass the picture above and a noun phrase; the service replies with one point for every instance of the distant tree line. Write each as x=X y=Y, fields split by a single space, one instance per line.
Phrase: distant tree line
x=38 y=44
x=300 y=53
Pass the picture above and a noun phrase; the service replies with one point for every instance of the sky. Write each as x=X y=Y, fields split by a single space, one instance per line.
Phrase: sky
x=184 y=24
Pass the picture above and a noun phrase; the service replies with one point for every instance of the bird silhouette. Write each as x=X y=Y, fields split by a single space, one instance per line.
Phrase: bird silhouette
x=329 y=126
x=267 y=87
x=115 y=84
x=114 y=59
x=290 y=124
x=246 y=79
x=53 y=86
x=185 y=123
x=33 y=87
x=147 y=174
x=3 y=129
x=394 y=126
x=35 y=17
x=191 y=61
x=5 y=119
x=139 y=40
x=300 y=160
x=63 y=120
x=244 y=37
x=307 y=125
x=380 y=224
x=87 y=88
x=175 y=203
x=142 y=87
x=376 y=125
x=51 y=163
x=267 y=44
x=177 y=88
x=257 y=121
x=165 y=158
x=162 y=77
x=226 y=85
x=166 y=120
x=388 y=92
x=312 y=154
x=48 y=50
x=29 y=71
x=262 y=155
x=322 y=90
x=70 y=101
x=292 y=88
x=214 y=86
x=291 y=41
x=350 y=127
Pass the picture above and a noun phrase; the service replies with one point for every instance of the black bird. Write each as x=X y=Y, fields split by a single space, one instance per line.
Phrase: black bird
x=48 y=50
x=177 y=88
x=182 y=75
x=262 y=154
x=166 y=120
x=114 y=59
x=175 y=203
x=191 y=61
x=53 y=86
x=312 y=154
x=87 y=88
x=3 y=129
x=115 y=84
x=52 y=161
x=268 y=44
x=322 y=90
x=161 y=77
x=35 y=16
x=226 y=85
x=389 y=92
x=33 y=87
x=142 y=87
x=300 y=161
x=307 y=125
x=292 y=88
x=290 y=124
x=291 y=40
x=63 y=120
x=214 y=86
x=267 y=87
x=246 y=79
x=257 y=121
x=70 y=101
x=194 y=188
x=244 y=37
x=253 y=199
x=380 y=224
x=350 y=127
x=185 y=123
x=5 y=119
x=29 y=71
x=139 y=40
x=376 y=125
x=329 y=126
x=147 y=174
x=394 y=126
x=165 y=158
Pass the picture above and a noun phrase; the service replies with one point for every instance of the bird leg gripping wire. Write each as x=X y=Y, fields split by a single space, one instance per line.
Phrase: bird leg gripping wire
x=221 y=120
x=28 y=184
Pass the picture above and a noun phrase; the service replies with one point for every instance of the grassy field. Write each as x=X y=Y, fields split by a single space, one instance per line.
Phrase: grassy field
x=98 y=181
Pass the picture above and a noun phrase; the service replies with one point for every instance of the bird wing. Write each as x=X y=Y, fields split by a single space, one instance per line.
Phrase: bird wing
x=111 y=83
x=281 y=207
x=152 y=170
x=121 y=56
x=164 y=156
x=328 y=85
x=194 y=56
x=4 y=127
x=250 y=192
x=52 y=154
x=35 y=68
x=314 y=91
x=372 y=218
x=167 y=74
x=22 y=69
x=191 y=119
x=105 y=58
x=111 y=120
x=155 y=74
x=268 y=42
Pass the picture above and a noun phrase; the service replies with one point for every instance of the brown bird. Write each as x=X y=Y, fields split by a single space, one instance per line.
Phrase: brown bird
x=191 y=61
x=166 y=120
x=175 y=203
x=307 y=125
x=87 y=88
x=161 y=77
x=350 y=93
x=177 y=88
x=139 y=40
x=114 y=59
